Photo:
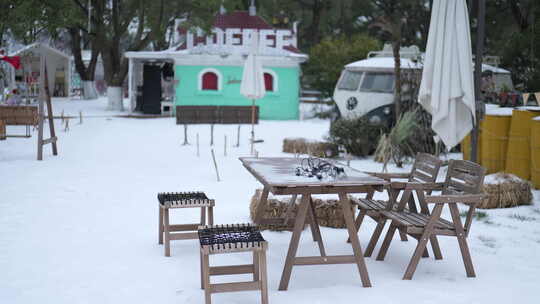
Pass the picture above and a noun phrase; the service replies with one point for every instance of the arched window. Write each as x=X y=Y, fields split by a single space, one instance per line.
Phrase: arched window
x=269 y=82
x=210 y=81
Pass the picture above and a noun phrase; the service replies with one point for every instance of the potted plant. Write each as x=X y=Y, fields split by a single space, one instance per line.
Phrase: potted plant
x=503 y=95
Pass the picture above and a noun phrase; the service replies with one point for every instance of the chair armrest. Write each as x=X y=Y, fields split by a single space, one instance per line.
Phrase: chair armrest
x=464 y=198
x=417 y=186
x=388 y=176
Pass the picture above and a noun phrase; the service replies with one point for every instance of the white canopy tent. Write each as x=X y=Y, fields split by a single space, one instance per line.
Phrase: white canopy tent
x=58 y=67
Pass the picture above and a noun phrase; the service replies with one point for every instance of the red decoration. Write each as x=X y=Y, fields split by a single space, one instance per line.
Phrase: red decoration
x=15 y=61
x=269 y=82
x=210 y=81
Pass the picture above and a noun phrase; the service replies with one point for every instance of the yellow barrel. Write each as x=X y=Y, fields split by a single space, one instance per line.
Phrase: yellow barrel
x=518 y=156
x=494 y=142
x=535 y=153
x=466 y=146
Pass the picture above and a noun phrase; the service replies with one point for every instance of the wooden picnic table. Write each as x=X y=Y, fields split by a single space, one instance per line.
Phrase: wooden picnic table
x=277 y=174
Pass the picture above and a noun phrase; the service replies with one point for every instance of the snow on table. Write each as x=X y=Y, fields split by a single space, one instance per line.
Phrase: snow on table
x=280 y=171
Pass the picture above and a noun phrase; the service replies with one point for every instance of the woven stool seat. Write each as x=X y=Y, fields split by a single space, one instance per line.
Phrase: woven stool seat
x=185 y=200
x=223 y=239
x=176 y=200
x=230 y=237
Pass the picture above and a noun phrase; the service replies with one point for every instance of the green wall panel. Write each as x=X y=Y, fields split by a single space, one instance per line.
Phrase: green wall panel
x=279 y=105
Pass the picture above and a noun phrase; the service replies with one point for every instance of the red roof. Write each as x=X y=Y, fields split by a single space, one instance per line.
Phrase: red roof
x=242 y=20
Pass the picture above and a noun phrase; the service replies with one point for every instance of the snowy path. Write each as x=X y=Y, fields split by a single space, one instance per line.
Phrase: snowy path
x=82 y=227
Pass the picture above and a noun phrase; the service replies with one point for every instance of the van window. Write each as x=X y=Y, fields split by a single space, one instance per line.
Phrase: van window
x=350 y=81
x=378 y=82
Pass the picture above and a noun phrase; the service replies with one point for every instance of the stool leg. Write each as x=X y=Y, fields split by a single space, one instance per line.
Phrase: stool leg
x=160 y=239
x=206 y=277
x=203 y=216
x=166 y=232
x=201 y=262
x=256 y=273
x=263 y=275
x=210 y=215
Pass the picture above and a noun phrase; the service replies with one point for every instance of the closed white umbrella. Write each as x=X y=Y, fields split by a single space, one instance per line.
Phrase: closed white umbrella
x=252 y=86
x=447 y=87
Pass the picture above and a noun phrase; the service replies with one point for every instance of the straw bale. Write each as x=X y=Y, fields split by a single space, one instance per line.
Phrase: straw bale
x=315 y=148
x=505 y=190
x=327 y=211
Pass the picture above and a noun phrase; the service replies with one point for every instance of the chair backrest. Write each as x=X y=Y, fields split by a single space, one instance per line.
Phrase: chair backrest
x=464 y=177
x=425 y=168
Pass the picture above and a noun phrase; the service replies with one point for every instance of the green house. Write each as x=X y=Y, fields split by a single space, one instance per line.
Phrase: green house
x=208 y=66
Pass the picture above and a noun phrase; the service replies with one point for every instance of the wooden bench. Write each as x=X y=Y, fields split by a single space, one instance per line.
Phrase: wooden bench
x=215 y=115
x=463 y=184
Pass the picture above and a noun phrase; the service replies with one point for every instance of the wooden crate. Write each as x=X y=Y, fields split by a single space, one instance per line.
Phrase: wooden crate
x=19 y=115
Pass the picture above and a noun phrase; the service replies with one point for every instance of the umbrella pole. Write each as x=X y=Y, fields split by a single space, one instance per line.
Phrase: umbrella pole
x=252 y=124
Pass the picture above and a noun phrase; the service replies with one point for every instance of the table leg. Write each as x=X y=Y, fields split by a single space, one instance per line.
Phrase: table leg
x=353 y=236
x=314 y=225
x=293 y=245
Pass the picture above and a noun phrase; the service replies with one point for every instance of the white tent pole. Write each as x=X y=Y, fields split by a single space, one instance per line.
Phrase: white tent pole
x=130 y=85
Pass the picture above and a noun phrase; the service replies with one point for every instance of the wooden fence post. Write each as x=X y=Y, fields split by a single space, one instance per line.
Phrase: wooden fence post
x=238 y=136
x=185 y=135
x=198 y=154
x=211 y=134
x=215 y=165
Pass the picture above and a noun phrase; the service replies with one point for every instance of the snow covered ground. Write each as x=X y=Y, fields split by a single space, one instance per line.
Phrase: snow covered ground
x=82 y=227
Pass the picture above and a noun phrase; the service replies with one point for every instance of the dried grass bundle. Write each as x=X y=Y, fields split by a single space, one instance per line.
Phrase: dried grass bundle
x=314 y=148
x=327 y=211
x=505 y=190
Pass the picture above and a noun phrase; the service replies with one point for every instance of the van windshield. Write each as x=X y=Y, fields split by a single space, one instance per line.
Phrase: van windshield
x=350 y=81
x=378 y=82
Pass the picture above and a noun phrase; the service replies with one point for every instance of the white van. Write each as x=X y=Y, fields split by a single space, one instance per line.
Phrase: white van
x=366 y=87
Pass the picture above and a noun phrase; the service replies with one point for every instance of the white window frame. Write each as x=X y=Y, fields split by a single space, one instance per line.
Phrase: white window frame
x=274 y=79
x=211 y=70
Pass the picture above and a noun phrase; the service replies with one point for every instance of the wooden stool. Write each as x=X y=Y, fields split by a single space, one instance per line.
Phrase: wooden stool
x=182 y=200
x=228 y=239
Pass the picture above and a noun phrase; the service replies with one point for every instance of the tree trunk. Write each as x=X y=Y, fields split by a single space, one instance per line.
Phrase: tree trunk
x=396 y=45
x=115 y=99
x=86 y=73
x=314 y=32
x=89 y=89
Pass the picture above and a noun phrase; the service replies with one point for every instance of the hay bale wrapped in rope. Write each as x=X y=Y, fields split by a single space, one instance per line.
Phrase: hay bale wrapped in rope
x=310 y=147
x=505 y=190
x=327 y=211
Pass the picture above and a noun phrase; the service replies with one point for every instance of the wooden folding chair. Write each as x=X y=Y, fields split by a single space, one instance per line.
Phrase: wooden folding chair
x=425 y=170
x=462 y=185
